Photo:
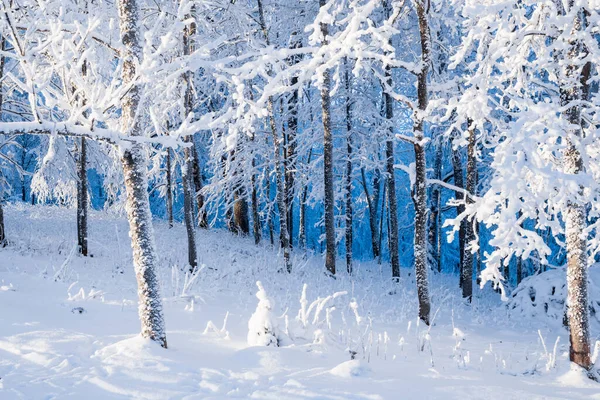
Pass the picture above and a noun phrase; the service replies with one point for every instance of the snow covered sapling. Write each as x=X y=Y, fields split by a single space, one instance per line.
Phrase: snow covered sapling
x=262 y=326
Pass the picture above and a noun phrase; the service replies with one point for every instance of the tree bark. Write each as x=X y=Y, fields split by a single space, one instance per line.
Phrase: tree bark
x=467 y=277
x=169 y=190
x=134 y=160
x=420 y=245
x=197 y=178
x=389 y=163
x=571 y=95
x=459 y=196
x=2 y=229
x=255 y=215
x=302 y=217
x=435 y=240
x=349 y=216
x=284 y=238
x=373 y=206
x=82 y=199
x=240 y=212
x=328 y=162
x=187 y=166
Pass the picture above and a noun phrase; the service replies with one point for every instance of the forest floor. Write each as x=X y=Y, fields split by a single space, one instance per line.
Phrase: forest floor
x=69 y=327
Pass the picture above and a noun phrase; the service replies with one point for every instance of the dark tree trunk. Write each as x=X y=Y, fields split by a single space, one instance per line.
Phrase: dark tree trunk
x=302 y=218
x=420 y=192
x=373 y=206
x=169 y=189
x=290 y=159
x=467 y=277
x=187 y=168
x=197 y=175
x=328 y=162
x=435 y=240
x=349 y=216
x=284 y=238
x=459 y=182
x=82 y=200
x=2 y=229
x=240 y=212
x=255 y=215
x=270 y=211
x=381 y=219
x=389 y=164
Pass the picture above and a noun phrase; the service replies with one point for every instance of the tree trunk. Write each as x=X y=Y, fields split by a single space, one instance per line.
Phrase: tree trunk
x=435 y=240
x=197 y=178
x=255 y=215
x=328 y=162
x=269 y=210
x=240 y=212
x=572 y=94
x=302 y=218
x=2 y=231
x=169 y=189
x=134 y=160
x=187 y=166
x=373 y=206
x=389 y=163
x=82 y=200
x=420 y=246
x=349 y=216
x=467 y=277
x=381 y=219
x=458 y=195
x=284 y=237
x=3 y=241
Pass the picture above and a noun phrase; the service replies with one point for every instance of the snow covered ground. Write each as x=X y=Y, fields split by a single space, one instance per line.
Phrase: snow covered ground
x=68 y=326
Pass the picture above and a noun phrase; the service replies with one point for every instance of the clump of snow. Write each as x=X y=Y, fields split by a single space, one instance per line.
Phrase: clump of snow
x=349 y=369
x=544 y=296
x=7 y=288
x=262 y=326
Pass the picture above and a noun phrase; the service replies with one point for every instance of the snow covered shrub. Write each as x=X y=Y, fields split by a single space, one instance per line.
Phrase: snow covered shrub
x=544 y=295
x=313 y=322
x=262 y=326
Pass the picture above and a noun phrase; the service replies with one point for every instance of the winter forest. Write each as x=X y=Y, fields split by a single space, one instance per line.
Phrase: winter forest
x=300 y=199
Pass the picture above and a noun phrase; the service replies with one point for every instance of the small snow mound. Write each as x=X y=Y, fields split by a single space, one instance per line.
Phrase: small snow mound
x=577 y=377
x=544 y=296
x=349 y=369
x=7 y=288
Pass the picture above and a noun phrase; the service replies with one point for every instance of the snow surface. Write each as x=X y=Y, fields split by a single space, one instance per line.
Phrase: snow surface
x=69 y=326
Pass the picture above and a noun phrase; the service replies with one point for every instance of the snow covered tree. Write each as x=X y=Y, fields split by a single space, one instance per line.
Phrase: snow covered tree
x=528 y=93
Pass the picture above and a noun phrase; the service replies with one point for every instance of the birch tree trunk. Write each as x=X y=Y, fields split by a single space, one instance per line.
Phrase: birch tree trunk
x=574 y=91
x=420 y=195
x=328 y=162
x=389 y=164
x=134 y=160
